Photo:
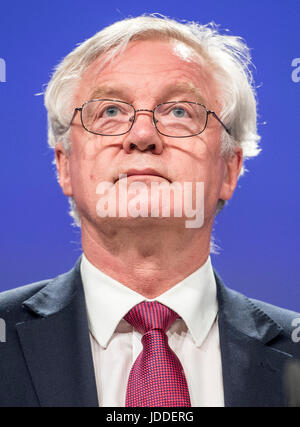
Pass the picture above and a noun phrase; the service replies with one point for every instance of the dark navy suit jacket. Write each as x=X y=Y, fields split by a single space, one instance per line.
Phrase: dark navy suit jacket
x=47 y=361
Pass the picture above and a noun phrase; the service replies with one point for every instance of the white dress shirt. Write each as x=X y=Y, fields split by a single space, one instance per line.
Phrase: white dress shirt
x=194 y=337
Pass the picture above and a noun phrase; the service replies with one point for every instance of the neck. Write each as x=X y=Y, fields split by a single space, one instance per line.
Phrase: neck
x=147 y=259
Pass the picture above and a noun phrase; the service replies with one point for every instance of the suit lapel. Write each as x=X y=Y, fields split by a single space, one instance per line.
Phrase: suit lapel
x=56 y=344
x=252 y=369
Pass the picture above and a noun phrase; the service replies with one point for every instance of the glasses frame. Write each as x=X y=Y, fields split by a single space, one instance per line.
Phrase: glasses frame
x=208 y=112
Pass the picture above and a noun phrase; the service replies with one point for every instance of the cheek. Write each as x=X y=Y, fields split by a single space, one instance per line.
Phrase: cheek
x=84 y=185
x=81 y=179
x=194 y=163
x=88 y=163
x=81 y=171
x=209 y=163
x=85 y=145
x=93 y=145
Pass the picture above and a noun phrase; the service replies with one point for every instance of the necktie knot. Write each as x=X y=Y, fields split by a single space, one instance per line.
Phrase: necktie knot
x=149 y=315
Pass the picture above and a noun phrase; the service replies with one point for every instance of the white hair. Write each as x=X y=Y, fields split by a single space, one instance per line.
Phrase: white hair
x=228 y=56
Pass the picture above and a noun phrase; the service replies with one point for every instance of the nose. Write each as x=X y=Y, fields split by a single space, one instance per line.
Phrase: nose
x=143 y=135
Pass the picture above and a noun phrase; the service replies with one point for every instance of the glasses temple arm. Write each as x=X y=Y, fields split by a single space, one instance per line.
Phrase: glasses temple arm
x=220 y=121
x=74 y=114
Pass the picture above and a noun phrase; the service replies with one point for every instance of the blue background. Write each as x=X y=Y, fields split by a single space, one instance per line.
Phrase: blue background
x=258 y=232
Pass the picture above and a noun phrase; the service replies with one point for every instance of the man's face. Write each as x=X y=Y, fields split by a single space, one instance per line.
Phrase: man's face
x=146 y=74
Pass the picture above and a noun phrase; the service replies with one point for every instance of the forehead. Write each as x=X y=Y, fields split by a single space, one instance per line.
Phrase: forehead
x=152 y=69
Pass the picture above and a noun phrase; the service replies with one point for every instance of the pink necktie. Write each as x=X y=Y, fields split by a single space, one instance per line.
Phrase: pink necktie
x=156 y=377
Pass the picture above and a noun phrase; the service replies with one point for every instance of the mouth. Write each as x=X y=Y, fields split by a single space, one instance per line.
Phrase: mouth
x=140 y=173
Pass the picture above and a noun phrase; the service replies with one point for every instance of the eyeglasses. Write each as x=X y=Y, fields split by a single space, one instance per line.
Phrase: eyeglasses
x=176 y=119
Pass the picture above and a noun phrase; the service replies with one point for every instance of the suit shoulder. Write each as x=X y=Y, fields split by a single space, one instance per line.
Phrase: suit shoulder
x=281 y=316
x=13 y=298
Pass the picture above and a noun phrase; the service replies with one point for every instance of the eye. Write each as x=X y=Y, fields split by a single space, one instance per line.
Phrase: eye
x=179 y=112
x=111 y=111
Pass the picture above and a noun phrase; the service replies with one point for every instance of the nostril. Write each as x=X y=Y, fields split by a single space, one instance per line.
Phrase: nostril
x=149 y=147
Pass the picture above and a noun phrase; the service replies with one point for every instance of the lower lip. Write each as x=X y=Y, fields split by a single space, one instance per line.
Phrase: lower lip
x=143 y=177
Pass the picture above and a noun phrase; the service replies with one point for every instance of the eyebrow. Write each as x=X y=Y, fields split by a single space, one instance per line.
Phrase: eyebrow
x=109 y=91
x=180 y=89
x=169 y=91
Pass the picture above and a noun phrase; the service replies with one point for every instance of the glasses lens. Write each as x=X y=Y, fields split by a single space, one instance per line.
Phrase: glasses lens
x=180 y=118
x=107 y=117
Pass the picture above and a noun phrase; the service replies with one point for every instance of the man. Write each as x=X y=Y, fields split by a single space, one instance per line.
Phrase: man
x=150 y=121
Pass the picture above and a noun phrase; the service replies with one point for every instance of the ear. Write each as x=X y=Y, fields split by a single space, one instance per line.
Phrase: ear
x=63 y=167
x=232 y=170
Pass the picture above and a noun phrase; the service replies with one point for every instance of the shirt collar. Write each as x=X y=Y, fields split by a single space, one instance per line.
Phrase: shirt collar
x=193 y=299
